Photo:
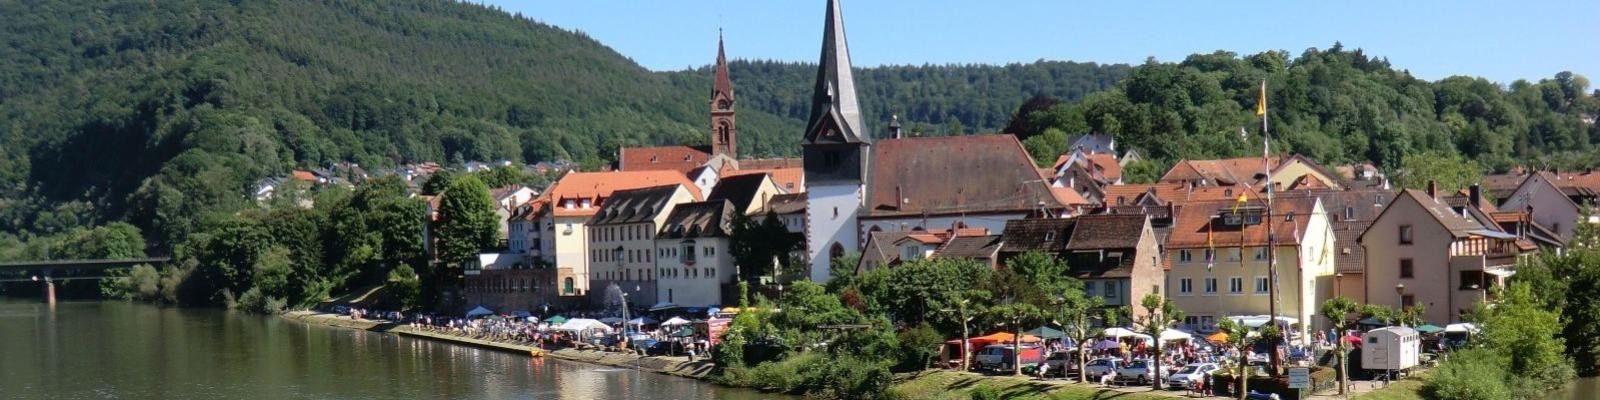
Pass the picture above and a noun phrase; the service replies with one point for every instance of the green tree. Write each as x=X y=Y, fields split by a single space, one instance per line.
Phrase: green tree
x=1077 y=313
x=1338 y=311
x=1447 y=170
x=1159 y=315
x=1017 y=303
x=1140 y=172
x=1240 y=338
x=466 y=220
x=1529 y=337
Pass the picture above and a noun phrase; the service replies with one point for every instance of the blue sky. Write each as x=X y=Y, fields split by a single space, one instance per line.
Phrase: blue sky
x=1500 y=40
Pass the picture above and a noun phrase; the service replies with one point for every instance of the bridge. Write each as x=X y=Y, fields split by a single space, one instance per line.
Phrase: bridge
x=46 y=271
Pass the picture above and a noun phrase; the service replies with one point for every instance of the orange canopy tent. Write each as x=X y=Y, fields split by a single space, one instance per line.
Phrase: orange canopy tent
x=1219 y=337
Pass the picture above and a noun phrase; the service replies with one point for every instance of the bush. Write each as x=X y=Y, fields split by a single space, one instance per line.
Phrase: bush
x=253 y=301
x=1473 y=374
x=918 y=345
x=985 y=393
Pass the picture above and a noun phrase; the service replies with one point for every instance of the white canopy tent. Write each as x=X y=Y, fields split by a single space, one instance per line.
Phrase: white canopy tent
x=1256 y=321
x=1465 y=327
x=1120 y=333
x=642 y=321
x=675 y=321
x=1171 y=334
x=583 y=324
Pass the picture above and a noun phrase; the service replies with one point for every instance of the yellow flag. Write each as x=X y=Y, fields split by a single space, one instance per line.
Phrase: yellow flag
x=1261 y=104
x=1242 y=199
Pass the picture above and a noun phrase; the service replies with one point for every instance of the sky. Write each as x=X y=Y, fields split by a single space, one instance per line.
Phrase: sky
x=1499 y=40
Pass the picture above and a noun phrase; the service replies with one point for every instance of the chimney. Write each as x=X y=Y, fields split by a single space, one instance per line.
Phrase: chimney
x=894 y=126
x=1475 y=195
x=1433 y=189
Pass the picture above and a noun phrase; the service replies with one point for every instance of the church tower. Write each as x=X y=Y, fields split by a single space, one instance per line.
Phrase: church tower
x=835 y=149
x=724 y=131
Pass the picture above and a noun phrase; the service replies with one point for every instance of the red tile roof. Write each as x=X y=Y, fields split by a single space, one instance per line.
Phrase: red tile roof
x=304 y=175
x=791 y=180
x=597 y=186
x=954 y=174
x=667 y=158
x=771 y=163
x=1232 y=171
x=1195 y=223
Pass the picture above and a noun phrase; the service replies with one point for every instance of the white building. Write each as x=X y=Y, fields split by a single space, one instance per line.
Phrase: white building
x=692 y=254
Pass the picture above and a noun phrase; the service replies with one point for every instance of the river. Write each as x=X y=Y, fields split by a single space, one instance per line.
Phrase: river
x=105 y=350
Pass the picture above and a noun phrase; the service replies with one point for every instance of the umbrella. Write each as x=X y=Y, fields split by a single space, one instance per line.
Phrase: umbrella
x=611 y=320
x=1219 y=337
x=675 y=321
x=642 y=321
x=1429 y=328
x=556 y=320
x=479 y=311
x=1461 y=327
x=1371 y=321
x=1045 y=332
x=1169 y=335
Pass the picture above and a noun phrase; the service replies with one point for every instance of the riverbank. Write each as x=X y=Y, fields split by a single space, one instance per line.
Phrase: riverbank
x=674 y=366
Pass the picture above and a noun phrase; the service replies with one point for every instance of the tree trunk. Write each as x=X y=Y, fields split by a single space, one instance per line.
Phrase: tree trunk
x=1244 y=374
x=1155 y=372
x=1344 y=375
x=1083 y=362
x=965 y=345
x=1016 y=348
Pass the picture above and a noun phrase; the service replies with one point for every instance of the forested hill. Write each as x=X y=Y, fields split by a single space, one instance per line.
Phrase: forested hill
x=153 y=111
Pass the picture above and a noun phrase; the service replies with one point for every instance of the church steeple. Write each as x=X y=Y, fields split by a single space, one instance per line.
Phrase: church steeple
x=835 y=114
x=724 y=130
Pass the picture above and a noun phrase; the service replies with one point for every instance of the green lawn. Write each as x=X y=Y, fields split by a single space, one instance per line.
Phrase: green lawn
x=958 y=386
x=1405 y=389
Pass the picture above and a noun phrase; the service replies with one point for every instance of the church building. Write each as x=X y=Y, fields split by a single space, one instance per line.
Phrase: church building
x=857 y=184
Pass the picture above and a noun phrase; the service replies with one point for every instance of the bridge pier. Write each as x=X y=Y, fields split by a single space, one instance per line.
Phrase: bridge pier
x=50 y=292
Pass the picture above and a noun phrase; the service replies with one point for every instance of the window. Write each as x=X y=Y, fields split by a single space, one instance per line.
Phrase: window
x=1233 y=254
x=1235 y=285
x=1407 y=301
x=1111 y=290
x=1261 y=285
x=835 y=251
x=1184 y=256
x=910 y=253
x=1405 y=234
x=1185 y=286
x=1088 y=289
x=1349 y=213
x=1406 y=268
x=1471 y=280
x=1261 y=254
x=687 y=255
x=566 y=285
x=1211 y=255
x=1211 y=285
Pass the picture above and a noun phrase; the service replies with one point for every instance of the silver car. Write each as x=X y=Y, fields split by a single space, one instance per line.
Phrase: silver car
x=1138 y=371
x=1191 y=375
x=1101 y=366
x=1062 y=362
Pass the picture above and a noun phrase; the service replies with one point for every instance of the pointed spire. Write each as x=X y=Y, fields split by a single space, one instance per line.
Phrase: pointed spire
x=723 y=84
x=834 y=97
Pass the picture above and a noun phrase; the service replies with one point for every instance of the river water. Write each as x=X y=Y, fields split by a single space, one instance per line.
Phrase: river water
x=115 y=350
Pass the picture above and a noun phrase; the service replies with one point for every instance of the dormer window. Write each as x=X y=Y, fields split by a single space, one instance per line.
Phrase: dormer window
x=1349 y=213
x=652 y=159
x=585 y=204
x=568 y=204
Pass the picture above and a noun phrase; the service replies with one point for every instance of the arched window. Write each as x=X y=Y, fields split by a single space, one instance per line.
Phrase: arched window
x=835 y=251
x=566 y=285
x=875 y=228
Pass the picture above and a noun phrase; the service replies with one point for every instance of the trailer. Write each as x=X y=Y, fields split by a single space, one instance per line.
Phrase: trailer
x=1394 y=348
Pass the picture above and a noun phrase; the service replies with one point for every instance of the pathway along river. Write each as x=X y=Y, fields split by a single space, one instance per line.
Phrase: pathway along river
x=99 y=350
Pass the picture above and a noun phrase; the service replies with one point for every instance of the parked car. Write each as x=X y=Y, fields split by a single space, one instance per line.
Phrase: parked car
x=1099 y=367
x=997 y=357
x=1138 y=371
x=1190 y=376
x=1062 y=362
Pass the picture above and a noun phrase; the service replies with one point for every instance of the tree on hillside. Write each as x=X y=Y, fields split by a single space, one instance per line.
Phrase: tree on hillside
x=466 y=220
x=1140 y=172
x=1338 y=311
x=1024 y=127
x=1160 y=314
x=1447 y=170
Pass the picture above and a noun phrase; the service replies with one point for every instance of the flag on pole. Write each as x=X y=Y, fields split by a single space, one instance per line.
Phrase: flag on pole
x=1211 y=246
x=1261 y=103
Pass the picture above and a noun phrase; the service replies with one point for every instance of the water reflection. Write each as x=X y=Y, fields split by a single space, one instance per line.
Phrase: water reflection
x=121 y=350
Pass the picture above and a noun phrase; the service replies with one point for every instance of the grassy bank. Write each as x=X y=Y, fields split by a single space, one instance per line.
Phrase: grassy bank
x=1404 y=389
x=960 y=386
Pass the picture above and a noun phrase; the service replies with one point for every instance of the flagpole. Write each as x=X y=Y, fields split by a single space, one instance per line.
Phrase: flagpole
x=1272 y=248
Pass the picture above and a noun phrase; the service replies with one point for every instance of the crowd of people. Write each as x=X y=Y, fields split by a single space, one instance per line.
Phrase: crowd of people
x=530 y=331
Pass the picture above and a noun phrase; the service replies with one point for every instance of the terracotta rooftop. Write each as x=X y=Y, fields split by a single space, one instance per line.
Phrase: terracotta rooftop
x=739 y=189
x=970 y=247
x=771 y=163
x=663 y=158
x=1232 y=171
x=1108 y=231
x=791 y=180
x=1197 y=221
x=303 y=175
x=597 y=186
x=786 y=204
x=954 y=174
